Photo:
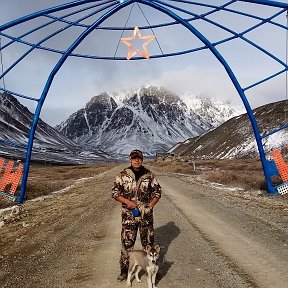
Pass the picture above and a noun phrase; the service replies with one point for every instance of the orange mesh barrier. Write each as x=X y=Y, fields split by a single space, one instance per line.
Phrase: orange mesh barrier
x=280 y=164
x=1 y=163
x=10 y=177
x=16 y=179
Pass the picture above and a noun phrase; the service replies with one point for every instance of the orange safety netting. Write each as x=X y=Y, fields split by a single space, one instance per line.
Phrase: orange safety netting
x=281 y=165
x=10 y=176
x=1 y=163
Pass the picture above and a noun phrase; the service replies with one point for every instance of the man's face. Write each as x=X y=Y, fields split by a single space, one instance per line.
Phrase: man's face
x=136 y=162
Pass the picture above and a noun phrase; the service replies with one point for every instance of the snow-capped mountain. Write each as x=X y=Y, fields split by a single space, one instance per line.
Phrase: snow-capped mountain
x=151 y=119
x=15 y=123
x=235 y=138
x=213 y=111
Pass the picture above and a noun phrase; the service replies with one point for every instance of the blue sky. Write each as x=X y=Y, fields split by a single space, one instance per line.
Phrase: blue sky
x=197 y=73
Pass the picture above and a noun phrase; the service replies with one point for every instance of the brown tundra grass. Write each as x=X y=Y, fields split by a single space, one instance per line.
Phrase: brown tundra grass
x=245 y=173
x=43 y=180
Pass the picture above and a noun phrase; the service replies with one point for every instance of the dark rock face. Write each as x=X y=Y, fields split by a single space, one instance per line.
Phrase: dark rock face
x=123 y=117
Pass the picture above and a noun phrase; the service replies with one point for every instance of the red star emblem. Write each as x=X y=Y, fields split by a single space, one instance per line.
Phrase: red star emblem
x=132 y=51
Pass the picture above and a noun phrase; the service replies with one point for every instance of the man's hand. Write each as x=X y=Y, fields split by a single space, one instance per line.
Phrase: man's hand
x=152 y=203
x=131 y=204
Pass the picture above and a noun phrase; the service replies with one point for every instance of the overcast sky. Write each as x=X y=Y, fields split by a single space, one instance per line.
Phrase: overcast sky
x=197 y=73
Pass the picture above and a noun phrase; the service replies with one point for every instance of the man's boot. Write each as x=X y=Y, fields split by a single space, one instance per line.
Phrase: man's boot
x=122 y=276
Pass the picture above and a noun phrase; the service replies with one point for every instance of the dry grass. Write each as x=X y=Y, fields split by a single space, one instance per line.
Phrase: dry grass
x=242 y=173
x=43 y=180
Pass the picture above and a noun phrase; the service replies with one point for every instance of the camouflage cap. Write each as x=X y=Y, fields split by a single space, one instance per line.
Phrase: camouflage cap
x=136 y=154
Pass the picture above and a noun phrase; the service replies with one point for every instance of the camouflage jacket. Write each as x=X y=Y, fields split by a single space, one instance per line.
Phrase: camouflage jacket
x=141 y=191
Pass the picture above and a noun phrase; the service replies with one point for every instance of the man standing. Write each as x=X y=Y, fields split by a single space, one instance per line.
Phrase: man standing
x=138 y=190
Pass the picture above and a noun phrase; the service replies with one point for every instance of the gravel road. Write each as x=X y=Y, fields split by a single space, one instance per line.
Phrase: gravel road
x=210 y=236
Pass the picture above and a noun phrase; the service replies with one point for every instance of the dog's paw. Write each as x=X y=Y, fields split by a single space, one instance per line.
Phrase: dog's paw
x=139 y=281
x=129 y=284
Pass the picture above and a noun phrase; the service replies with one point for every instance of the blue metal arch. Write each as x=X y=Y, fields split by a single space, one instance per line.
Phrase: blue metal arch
x=158 y=5
x=202 y=16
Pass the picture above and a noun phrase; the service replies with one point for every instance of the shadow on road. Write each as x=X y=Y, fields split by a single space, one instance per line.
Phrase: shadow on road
x=164 y=235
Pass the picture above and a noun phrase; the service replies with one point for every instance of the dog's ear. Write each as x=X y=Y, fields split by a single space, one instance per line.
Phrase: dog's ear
x=147 y=248
x=157 y=248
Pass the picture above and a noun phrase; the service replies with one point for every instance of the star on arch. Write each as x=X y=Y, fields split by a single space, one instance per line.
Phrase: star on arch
x=132 y=51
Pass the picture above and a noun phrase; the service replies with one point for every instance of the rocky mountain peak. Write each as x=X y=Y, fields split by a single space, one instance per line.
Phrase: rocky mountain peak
x=149 y=118
x=104 y=100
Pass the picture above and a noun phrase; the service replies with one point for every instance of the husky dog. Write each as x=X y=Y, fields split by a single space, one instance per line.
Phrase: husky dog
x=146 y=260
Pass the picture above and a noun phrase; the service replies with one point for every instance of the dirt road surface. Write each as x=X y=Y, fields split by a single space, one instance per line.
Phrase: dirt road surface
x=210 y=236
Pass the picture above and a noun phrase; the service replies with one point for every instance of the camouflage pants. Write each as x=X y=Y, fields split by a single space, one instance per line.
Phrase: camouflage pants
x=129 y=231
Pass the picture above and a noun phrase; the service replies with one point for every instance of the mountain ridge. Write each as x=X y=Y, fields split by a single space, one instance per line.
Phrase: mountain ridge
x=235 y=137
x=15 y=123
